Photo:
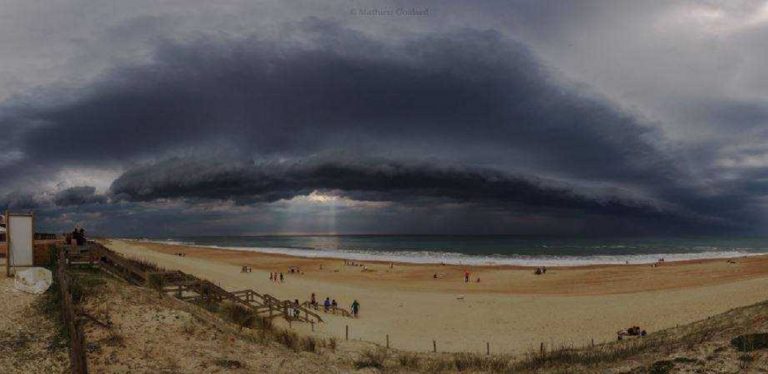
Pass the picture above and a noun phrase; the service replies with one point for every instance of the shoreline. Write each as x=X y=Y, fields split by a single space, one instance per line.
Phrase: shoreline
x=511 y=307
x=532 y=262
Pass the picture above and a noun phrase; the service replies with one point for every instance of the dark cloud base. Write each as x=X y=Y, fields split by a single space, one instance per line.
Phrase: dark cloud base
x=251 y=182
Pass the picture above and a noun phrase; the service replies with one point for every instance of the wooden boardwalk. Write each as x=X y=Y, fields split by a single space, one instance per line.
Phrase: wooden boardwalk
x=192 y=289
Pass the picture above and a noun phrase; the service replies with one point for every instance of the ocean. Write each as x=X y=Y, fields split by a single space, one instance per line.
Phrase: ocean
x=487 y=250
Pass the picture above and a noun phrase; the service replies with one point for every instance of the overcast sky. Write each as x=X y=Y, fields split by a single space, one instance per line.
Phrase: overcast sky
x=167 y=118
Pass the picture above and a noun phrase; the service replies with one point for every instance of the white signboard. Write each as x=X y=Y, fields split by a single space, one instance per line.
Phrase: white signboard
x=20 y=240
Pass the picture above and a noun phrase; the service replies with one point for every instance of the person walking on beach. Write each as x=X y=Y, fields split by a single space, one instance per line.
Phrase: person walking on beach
x=313 y=301
x=271 y=276
x=281 y=278
x=334 y=305
x=466 y=276
x=327 y=304
x=355 y=308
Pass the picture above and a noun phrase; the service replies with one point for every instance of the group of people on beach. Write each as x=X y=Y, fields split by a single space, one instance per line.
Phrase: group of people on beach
x=77 y=235
x=276 y=277
x=466 y=277
x=352 y=263
x=330 y=305
x=540 y=270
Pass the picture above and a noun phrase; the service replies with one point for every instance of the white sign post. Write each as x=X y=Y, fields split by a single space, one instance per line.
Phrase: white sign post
x=20 y=235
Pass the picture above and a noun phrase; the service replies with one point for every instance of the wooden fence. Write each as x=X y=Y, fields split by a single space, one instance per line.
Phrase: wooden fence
x=77 y=359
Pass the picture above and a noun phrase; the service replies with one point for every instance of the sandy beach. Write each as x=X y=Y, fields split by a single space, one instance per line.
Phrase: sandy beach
x=510 y=308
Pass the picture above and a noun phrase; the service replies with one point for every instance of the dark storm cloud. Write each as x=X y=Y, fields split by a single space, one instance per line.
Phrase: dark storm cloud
x=346 y=89
x=371 y=181
x=20 y=201
x=80 y=195
x=466 y=97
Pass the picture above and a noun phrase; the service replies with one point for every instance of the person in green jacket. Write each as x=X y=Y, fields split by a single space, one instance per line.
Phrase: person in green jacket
x=355 y=308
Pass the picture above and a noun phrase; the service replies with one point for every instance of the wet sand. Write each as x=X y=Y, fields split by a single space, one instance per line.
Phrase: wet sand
x=510 y=307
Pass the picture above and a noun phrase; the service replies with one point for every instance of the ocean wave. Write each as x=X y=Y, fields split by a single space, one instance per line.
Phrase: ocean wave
x=453 y=258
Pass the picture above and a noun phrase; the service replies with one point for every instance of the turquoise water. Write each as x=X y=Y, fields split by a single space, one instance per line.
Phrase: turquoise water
x=489 y=249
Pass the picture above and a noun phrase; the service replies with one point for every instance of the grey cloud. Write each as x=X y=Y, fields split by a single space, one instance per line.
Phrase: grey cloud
x=20 y=201
x=80 y=195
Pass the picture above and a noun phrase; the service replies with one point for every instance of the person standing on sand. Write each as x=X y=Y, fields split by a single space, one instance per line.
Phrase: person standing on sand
x=466 y=276
x=355 y=308
x=313 y=301
x=281 y=278
x=327 y=304
x=296 y=310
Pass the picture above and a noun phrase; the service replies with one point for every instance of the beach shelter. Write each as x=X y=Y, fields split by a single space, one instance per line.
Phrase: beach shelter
x=20 y=234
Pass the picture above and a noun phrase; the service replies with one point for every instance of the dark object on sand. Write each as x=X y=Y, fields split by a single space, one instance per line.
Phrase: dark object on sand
x=632 y=331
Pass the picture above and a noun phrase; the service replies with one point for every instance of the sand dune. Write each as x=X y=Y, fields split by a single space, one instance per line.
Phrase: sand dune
x=511 y=308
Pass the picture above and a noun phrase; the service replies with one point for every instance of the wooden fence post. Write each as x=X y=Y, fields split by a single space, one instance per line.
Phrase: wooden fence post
x=347 y=332
x=541 y=349
x=387 y=340
x=488 y=348
x=434 y=346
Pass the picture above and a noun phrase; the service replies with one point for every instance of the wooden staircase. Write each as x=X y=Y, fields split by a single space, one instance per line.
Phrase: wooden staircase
x=192 y=289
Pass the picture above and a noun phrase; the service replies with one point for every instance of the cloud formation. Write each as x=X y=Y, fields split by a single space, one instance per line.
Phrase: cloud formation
x=80 y=195
x=466 y=116
x=370 y=181
x=346 y=90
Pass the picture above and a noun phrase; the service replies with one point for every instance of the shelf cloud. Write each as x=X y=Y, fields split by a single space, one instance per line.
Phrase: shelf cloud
x=461 y=118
